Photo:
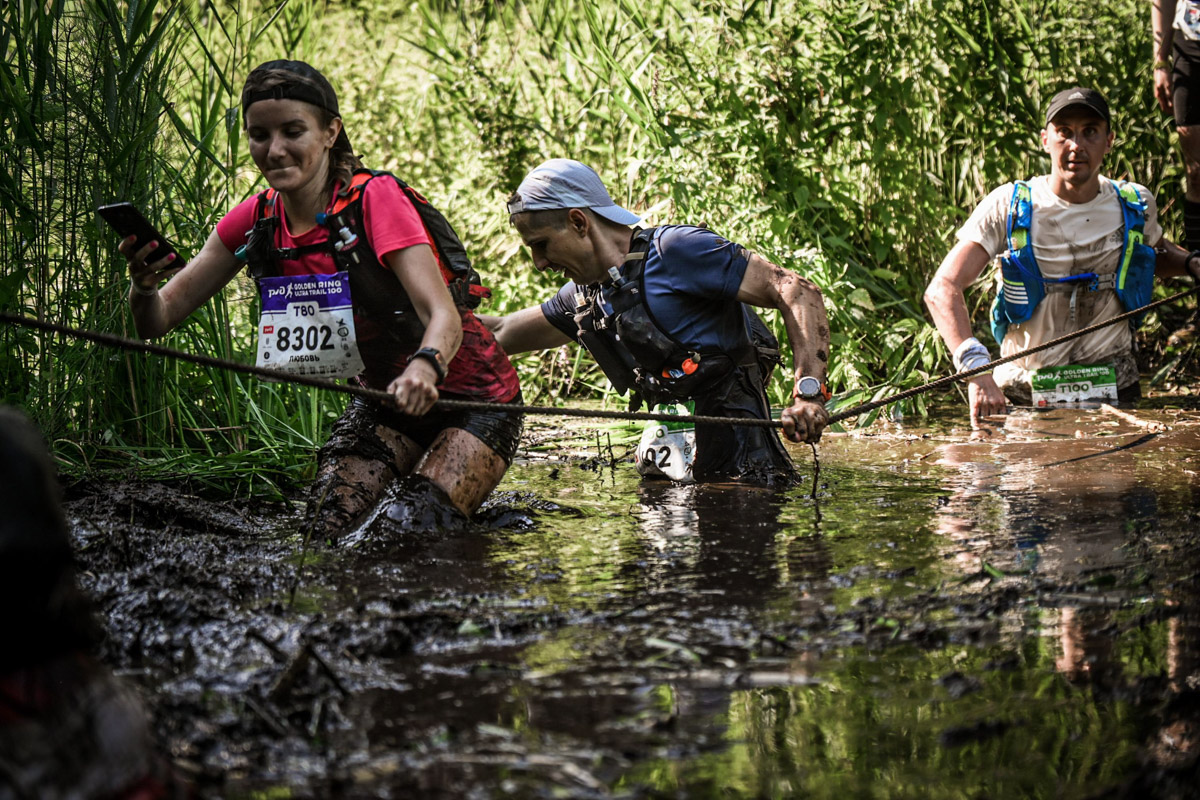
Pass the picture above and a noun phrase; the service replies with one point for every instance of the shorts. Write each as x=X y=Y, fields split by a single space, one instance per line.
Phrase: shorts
x=738 y=452
x=1185 y=82
x=354 y=431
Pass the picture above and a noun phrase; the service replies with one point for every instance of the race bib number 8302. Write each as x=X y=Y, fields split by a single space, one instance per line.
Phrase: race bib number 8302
x=307 y=326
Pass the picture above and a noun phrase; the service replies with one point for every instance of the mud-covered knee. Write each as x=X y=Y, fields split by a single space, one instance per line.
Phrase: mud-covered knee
x=335 y=499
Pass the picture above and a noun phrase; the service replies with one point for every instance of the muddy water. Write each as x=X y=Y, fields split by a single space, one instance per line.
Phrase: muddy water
x=1018 y=617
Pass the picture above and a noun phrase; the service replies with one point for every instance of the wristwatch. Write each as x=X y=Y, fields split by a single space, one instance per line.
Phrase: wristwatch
x=434 y=357
x=1187 y=262
x=812 y=389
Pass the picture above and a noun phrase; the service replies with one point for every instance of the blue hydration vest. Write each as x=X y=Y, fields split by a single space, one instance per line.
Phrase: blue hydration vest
x=1024 y=287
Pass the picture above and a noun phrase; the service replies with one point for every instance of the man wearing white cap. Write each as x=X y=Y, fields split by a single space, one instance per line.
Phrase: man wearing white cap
x=1075 y=249
x=663 y=313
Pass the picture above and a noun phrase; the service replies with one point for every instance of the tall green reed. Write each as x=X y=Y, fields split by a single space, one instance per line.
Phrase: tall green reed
x=136 y=101
x=87 y=121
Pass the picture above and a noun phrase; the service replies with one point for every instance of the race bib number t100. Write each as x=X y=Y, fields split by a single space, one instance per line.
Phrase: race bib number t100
x=307 y=326
x=1073 y=384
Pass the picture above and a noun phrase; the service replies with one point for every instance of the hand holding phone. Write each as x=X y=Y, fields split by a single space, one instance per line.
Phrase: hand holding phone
x=127 y=221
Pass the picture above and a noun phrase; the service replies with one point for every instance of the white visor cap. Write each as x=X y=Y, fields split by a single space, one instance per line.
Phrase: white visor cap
x=564 y=183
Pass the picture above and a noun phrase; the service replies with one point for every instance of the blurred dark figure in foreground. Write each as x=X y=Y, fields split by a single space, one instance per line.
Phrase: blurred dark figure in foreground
x=68 y=728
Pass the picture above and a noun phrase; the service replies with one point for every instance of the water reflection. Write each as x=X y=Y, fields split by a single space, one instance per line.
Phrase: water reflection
x=1058 y=511
x=1082 y=517
x=718 y=639
x=731 y=532
x=1007 y=619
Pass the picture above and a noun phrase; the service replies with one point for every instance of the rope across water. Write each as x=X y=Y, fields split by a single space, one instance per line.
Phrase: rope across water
x=112 y=340
x=970 y=373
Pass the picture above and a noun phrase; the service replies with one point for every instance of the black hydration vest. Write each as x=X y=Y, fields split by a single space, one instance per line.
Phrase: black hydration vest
x=375 y=292
x=636 y=353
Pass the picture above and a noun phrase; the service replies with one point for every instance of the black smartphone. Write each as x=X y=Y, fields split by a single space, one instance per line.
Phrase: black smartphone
x=126 y=220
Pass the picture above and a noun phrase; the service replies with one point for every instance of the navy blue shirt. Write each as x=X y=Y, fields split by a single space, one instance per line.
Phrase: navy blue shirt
x=692 y=277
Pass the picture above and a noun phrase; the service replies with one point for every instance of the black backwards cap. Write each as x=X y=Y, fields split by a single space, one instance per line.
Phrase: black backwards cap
x=309 y=87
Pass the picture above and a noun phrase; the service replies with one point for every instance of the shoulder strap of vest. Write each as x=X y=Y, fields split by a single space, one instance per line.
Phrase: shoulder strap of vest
x=352 y=192
x=632 y=270
x=259 y=250
x=640 y=244
x=1132 y=206
x=1133 y=210
x=1020 y=215
x=265 y=206
x=635 y=260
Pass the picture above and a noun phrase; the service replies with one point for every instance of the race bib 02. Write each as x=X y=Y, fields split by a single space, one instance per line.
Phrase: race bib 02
x=668 y=449
x=307 y=326
x=1073 y=383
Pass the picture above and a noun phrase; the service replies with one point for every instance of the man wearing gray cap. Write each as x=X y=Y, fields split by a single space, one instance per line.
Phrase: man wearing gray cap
x=663 y=311
x=1075 y=249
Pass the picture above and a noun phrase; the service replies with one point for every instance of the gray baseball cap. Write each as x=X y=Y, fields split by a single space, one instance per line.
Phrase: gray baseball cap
x=564 y=183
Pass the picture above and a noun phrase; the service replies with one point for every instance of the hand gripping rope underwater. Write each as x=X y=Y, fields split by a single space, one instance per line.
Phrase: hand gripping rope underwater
x=111 y=340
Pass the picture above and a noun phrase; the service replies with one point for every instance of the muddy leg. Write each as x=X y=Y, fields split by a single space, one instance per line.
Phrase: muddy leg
x=345 y=487
x=463 y=467
x=353 y=468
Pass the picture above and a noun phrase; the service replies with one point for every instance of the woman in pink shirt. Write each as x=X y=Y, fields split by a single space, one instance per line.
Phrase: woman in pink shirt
x=354 y=283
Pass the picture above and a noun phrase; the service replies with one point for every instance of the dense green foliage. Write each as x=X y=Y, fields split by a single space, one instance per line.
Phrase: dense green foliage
x=843 y=140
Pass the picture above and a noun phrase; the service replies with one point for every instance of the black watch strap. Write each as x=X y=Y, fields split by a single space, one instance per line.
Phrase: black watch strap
x=434 y=357
x=1188 y=260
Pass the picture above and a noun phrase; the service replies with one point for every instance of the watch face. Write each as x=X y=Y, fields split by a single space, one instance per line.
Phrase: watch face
x=808 y=387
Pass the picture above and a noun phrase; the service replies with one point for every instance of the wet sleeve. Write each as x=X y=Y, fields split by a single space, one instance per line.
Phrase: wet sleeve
x=234 y=226
x=560 y=310
x=988 y=223
x=700 y=262
x=391 y=221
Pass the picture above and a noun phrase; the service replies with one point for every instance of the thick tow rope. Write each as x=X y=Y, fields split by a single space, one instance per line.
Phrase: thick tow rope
x=136 y=345
x=112 y=340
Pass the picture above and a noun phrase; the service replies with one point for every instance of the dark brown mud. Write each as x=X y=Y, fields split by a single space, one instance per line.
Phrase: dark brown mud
x=946 y=618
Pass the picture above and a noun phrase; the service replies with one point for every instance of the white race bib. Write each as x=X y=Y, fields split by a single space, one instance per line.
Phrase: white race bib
x=307 y=326
x=668 y=449
x=1074 y=383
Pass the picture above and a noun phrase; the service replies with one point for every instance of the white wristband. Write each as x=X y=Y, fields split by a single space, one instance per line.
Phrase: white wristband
x=971 y=354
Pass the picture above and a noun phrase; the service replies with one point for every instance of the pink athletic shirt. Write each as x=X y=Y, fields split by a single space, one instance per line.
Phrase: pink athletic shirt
x=480 y=369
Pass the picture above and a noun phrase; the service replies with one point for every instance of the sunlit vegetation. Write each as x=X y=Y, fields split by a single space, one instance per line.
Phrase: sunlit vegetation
x=843 y=140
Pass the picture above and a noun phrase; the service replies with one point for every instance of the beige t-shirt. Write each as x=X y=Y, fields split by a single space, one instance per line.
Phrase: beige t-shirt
x=1068 y=239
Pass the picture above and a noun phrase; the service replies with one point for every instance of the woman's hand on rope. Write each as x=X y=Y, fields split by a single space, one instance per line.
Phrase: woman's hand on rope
x=146 y=275
x=415 y=391
x=804 y=421
x=985 y=398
